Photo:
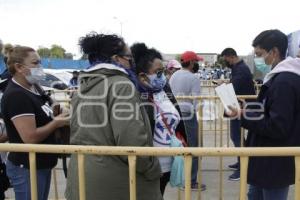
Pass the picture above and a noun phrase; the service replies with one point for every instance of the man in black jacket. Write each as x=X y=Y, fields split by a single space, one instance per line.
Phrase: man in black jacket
x=241 y=79
x=278 y=124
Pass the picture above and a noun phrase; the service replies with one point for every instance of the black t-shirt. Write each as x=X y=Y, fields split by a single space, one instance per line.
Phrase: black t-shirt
x=18 y=101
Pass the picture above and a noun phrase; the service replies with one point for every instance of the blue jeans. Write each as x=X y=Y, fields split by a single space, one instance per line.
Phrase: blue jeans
x=191 y=127
x=20 y=181
x=258 y=193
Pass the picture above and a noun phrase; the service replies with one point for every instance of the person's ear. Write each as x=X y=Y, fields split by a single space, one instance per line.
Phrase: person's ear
x=115 y=58
x=142 y=77
x=276 y=52
x=19 y=67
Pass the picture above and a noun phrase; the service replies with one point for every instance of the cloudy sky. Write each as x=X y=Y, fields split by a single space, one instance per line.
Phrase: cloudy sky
x=171 y=26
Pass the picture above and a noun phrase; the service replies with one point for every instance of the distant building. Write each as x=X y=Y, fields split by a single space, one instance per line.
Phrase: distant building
x=209 y=58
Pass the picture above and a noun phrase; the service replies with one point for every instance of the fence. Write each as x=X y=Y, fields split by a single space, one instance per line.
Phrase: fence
x=133 y=152
x=217 y=124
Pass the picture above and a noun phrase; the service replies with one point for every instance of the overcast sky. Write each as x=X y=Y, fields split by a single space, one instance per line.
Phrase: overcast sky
x=171 y=26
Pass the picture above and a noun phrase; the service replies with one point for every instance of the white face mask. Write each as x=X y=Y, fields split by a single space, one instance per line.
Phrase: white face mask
x=36 y=74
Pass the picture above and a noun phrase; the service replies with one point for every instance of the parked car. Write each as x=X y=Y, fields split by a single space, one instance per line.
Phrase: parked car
x=56 y=78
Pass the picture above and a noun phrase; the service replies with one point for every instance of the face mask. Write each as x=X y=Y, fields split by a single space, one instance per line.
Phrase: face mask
x=36 y=74
x=196 y=67
x=157 y=83
x=228 y=64
x=261 y=65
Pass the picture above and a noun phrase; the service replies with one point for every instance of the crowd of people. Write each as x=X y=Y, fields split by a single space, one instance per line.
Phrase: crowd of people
x=127 y=98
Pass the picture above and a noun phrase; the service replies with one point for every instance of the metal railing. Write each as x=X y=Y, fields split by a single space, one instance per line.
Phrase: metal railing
x=221 y=130
x=133 y=152
x=219 y=126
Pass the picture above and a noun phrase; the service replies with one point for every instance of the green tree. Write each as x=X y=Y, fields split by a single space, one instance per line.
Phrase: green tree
x=220 y=62
x=177 y=57
x=69 y=56
x=44 y=52
x=84 y=57
x=57 y=51
x=1 y=46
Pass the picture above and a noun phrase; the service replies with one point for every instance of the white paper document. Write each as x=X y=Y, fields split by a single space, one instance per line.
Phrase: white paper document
x=227 y=96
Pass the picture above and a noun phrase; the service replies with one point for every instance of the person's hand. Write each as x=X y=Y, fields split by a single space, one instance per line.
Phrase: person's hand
x=62 y=119
x=233 y=112
x=242 y=103
x=220 y=82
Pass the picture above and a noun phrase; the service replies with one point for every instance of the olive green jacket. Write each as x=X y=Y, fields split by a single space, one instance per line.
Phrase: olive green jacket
x=107 y=112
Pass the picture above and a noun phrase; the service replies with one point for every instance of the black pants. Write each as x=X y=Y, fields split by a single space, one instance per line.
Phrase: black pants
x=4 y=182
x=164 y=181
x=2 y=196
x=235 y=135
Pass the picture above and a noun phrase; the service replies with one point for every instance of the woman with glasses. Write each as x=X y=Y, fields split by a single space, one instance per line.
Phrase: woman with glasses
x=160 y=103
x=107 y=112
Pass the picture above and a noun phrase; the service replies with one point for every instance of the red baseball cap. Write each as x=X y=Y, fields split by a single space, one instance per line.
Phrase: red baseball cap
x=190 y=56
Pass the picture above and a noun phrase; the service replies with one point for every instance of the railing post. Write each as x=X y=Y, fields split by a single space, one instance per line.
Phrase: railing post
x=242 y=136
x=81 y=176
x=228 y=132
x=243 y=181
x=200 y=122
x=297 y=178
x=179 y=194
x=132 y=177
x=56 y=197
x=33 y=179
x=187 y=171
x=216 y=121
x=200 y=143
x=221 y=157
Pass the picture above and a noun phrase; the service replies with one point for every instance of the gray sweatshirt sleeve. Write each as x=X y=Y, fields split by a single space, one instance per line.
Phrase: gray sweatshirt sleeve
x=195 y=91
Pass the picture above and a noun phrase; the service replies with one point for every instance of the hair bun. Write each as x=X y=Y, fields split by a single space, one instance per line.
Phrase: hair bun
x=139 y=50
x=90 y=43
x=8 y=49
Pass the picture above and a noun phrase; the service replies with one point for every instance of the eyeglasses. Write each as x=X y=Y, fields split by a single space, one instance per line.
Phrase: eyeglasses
x=160 y=72
x=126 y=56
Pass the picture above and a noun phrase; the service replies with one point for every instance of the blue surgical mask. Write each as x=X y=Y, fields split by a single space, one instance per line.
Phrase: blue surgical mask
x=261 y=65
x=36 y=74
x=157 y=83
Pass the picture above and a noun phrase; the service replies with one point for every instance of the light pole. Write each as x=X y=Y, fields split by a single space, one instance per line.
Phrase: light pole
x=121 y=24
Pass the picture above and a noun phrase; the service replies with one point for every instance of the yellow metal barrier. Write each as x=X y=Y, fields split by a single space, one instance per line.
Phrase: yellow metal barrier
x=132 y=152
x=211 y=100
x=219 y=119
x=221 y=130
x=220 y=107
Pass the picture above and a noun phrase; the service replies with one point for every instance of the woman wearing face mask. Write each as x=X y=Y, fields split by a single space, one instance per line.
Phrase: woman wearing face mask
x=28 y=119
x=163 y=111
x=106 y=95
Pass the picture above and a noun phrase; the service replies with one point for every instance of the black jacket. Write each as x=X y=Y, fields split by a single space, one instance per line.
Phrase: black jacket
x=242 y=79
x=279 y=127
x=150 y=110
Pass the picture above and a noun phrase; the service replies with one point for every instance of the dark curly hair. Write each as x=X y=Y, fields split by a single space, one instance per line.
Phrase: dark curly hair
x=143 y=56
x=101 y=47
